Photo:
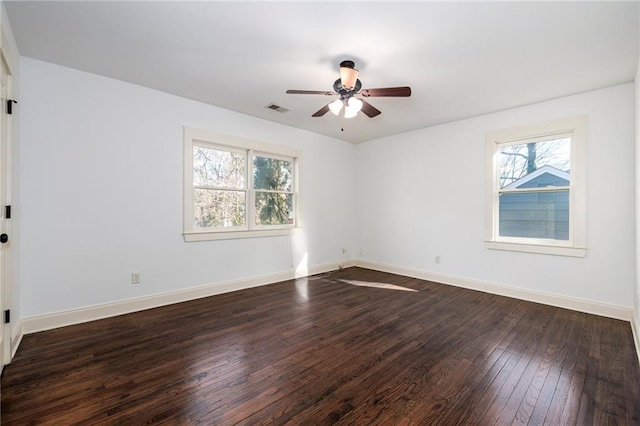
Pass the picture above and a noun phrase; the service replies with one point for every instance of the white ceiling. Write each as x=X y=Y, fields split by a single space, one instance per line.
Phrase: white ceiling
x=460 y=59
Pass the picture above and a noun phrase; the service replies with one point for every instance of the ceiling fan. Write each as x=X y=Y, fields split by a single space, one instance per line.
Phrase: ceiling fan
x=347 y=87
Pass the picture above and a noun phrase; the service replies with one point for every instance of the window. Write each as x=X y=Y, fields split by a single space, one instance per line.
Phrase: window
x=273 y=184
x=535 y=188
x=238 y=188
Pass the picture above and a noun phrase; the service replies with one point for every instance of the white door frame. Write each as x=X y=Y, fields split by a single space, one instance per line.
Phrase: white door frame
x=8 y=68
x=5 y=194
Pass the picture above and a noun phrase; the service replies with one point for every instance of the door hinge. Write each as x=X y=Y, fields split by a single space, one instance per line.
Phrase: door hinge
x=7 y=316
x=10 y=103
x=7 y=212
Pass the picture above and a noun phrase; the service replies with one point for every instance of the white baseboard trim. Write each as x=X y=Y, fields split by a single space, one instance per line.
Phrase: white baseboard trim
x=92 y=313
x=567 y=302
x=635 y=330
x=96 y=312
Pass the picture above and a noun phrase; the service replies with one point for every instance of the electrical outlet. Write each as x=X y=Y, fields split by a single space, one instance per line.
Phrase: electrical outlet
x=361 y=252
x=437 y=259
x=136 y=277
x=344 y=251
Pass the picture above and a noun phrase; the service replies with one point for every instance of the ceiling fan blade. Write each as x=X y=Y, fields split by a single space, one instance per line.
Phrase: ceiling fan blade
x=322 y=111
x=369 y=110
x=310 y=92
x=403 y=91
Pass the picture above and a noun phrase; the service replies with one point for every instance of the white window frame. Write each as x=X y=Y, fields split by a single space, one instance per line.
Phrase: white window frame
x=209 y=139
x=576 y=127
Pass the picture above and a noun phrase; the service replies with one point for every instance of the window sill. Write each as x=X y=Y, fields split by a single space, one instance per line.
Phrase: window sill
x=233 y=235
x=538 y=249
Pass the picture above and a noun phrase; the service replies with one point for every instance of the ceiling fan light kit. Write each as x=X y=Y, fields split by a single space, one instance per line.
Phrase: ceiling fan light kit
x=336 y=106
x=347 y=87
x=352 y=107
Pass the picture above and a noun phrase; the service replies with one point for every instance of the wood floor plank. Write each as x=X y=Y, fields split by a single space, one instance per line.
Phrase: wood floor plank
x=610 y=398
x=550 y=357
x=345 y=347
x=558 y=391
x=492 y=395
x=478 y=390
x=631 y=369
x=433 y=369
x=447 y=377
x=589 y=406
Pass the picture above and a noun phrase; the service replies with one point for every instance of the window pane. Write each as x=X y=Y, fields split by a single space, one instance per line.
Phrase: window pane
x=272 y=174
x=550 y=158
x=215 y=208
x=535 y=214
x=274 y=209
x=223 y=169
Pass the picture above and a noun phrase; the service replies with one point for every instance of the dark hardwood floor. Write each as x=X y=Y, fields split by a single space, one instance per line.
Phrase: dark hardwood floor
x=322 y=351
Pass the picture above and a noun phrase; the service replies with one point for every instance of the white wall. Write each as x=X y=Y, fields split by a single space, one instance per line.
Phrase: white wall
x=422 y=193
x=101 y=182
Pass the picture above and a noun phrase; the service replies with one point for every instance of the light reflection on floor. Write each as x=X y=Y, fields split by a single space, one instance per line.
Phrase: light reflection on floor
x=302 y=288
x=376 y=285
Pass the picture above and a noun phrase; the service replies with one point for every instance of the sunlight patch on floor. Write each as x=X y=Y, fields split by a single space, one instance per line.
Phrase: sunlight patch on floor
x=377 y=285
x=302 y=288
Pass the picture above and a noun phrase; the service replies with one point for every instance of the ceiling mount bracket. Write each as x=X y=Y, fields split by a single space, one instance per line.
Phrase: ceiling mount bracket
x=347 y=64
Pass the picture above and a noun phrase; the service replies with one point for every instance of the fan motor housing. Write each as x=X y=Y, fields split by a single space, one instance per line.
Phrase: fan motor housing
x=346 y=93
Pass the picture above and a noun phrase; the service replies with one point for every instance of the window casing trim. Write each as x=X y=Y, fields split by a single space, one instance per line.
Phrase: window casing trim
x=576 y=245
x=209 y=139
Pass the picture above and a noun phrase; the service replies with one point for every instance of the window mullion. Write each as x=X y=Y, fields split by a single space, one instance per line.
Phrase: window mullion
x=531 y=190
x=273 y=191
x=219 y=188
